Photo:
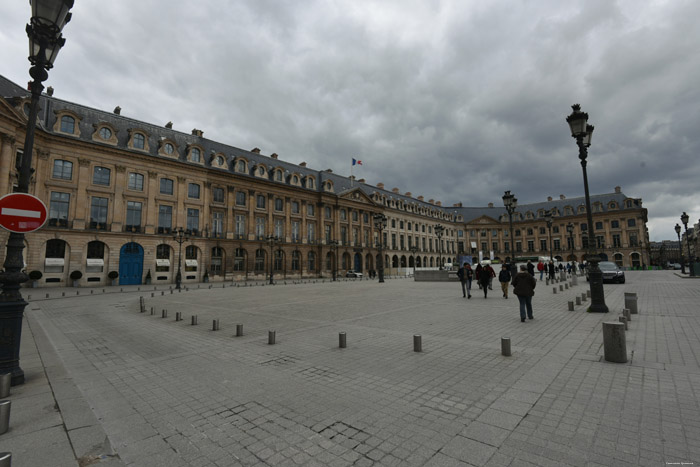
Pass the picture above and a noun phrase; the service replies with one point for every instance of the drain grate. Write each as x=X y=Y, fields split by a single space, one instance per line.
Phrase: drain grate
x=280 y=360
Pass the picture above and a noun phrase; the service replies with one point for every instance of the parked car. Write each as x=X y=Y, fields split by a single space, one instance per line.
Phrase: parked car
x=355 y=274
x=611 y=272
x=676 y=266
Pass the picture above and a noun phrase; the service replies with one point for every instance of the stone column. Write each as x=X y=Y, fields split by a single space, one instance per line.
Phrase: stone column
x=206 y=211
x=287 y=219
x=7 y=143
x=149 y=218
x=81 y=217
x=118 y=206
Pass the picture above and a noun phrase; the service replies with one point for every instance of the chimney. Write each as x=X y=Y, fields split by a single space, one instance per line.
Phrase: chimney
x=49 y=91
x=362 y=180
x=562 y=197
x=169 y=125
x=274 y=155
x=303 y=164
x=408 y=193
x=380 y=185
x=420 y=198
x=549 y=198
x=431 y=201
x=438 y=203
x=457 y=205
x=394 y=190
x=618 y=189
x=255 y=150
x=330 y=171
x=117 y=110
x=490 y=205
x=196 y=132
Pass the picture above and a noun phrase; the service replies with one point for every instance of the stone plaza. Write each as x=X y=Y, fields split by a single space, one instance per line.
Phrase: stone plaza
x=108 y=384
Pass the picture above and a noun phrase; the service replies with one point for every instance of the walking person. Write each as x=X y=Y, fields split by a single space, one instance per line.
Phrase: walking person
x=524 y=287
x=504 y=278
x=465 y=273
x=530 y=268
x=551 y=270
x=485 y=276
x=540 y=268
x=469 y=274
x=477 y=274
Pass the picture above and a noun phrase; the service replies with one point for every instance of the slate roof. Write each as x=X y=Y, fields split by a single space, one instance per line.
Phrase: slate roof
x=89 y=116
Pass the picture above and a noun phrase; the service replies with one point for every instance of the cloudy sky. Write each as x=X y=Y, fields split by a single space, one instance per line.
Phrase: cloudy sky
x=453 y=100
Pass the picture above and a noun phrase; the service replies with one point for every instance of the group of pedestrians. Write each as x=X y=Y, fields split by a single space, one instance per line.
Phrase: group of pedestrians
x=523 y=283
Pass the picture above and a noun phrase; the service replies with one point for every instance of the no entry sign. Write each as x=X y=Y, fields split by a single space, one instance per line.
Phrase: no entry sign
x=21 y=213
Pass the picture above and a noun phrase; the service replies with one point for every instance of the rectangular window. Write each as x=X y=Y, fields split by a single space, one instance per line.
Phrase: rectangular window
x=133 y=214
x=295 y=207
x=584 y=227
x=217 y=224
x=241 y=198
x=101 y=176
x=165 y=217
x=506 y=246
x=518 y=247
x=616 y=240
x=296 y=228
x=530 y=245
x=355 y=217
x=344 y=235
x=98 y=213
x=633 y=239
x=240 y=226
x=279 y=205
x=311 y=232
x=356 y=236
x=557 y=244
x=260 y=202
x=599 y=226
x=402 y=242
x=166 y=186
x=494 y=246
x=570 y=243
x=260 y=227
x=600 y=241
x=58 y=209
x=393 y=241
x=310 y=210
x=193 y=191
x=279 y=228
x=631 y=223
x=192 y=220
x=366 y=237
x=614 y=224
x=217 y=195
x=62 y=169
x=327 y=210
x=584 y=242
x=543 y=245
x=555 y=229
x=327 y=233
x=135 y=181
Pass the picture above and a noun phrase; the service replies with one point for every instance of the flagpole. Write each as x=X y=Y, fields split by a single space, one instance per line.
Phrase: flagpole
x=352 y=178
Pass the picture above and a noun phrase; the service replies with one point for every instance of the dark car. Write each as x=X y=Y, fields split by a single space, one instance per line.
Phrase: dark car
x=611 y=272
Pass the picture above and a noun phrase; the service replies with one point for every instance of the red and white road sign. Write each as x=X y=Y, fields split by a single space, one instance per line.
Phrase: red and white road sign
x=21 y=213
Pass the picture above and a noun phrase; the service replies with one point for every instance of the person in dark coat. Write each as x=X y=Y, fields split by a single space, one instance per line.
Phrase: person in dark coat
x=531 y=268
x=477 y=274
x=551 y=270
x=485 y=276
x=524 y=287
x=504 y=278
x=465 y=274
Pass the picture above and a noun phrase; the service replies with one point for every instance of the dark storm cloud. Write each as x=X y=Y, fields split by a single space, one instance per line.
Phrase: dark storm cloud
x=455 y=101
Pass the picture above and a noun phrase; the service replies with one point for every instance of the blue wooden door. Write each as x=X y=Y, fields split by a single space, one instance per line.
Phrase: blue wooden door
x=358 y=262
x=130 y=264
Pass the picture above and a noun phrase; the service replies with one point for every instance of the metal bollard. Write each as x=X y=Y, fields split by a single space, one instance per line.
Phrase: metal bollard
x=4 y=416
x=584 y=297
x=63 y=294
x=561 y=288
x=178 y=316
x=417 y=343
x=546 y=281
x=342 y=340
x=566 y=286
x=588 y=293
x=505 y=346
x=578 y=300
x=623 y=320
x=239 y=330
x=271 y=335
x=164 y=313
x=215 y=325
x=626 y=313
x=571 y=306
x=5 y=384
x=554 y=290
x=614 y=342
x=153 y=312
x=194 y=320
x=631 y=302
x=574 y=280
x=47 y=295
x=5 y=459
x=152 y=295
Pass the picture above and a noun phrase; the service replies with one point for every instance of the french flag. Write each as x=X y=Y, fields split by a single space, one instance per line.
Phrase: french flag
x=356 y=162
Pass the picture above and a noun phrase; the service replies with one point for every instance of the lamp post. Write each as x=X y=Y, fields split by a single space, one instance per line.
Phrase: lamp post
x=413 y=251
x=680 y=247
x=272 y=241
x=684 y=219
x=510 y=202
x=181 y=236
x=439 y=230
x=548 y=219
x=45 y=40
x=582 y=131
x=570 y=231
x=380 y=224
x=333 y=244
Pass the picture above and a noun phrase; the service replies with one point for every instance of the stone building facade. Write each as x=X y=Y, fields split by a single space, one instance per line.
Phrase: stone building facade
x=118 y=189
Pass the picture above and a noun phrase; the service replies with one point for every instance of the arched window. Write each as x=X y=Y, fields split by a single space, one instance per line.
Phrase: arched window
x=259 y=260
x=239 y=260
x=67 y=124
x=278 y=261
x=240 y=167
x=191 y=252
x=296 y=260
x=217 y=259
x=55 y=250
x=195 y=155
x=312 y=261
x=139 y=141
x=636 y=262
x=163 y=258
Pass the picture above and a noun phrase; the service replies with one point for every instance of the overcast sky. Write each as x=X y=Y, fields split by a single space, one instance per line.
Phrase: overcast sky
x=453 y=100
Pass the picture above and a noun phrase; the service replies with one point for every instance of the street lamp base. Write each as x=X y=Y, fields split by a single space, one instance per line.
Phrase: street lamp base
x=11 y=314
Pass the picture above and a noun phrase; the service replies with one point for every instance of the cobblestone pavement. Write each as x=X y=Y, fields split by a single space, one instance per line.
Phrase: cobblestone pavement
x=168 y=393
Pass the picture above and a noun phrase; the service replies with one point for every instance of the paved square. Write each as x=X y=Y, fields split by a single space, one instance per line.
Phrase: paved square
x=172 y=394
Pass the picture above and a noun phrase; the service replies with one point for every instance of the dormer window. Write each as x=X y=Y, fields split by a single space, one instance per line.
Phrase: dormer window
x=169 y=148
x=105 y=133
x=241 y=166
x=139 y=141
x=278 y=175
x=310 y=183
x=195 y=155
x=261 y=171
x=67 y=124
x=220 y=161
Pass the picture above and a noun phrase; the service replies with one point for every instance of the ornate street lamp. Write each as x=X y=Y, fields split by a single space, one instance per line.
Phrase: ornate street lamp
x=413 y=251
x=180 y=236
x=548 y=219
x=511 y=202
x=439 y=230
x=570 y=230
x=333 y=244
x=272 y=241
x=45 y=40
x=582 y=131
x=380 y=221
x=680 y=247
x=691 y=269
